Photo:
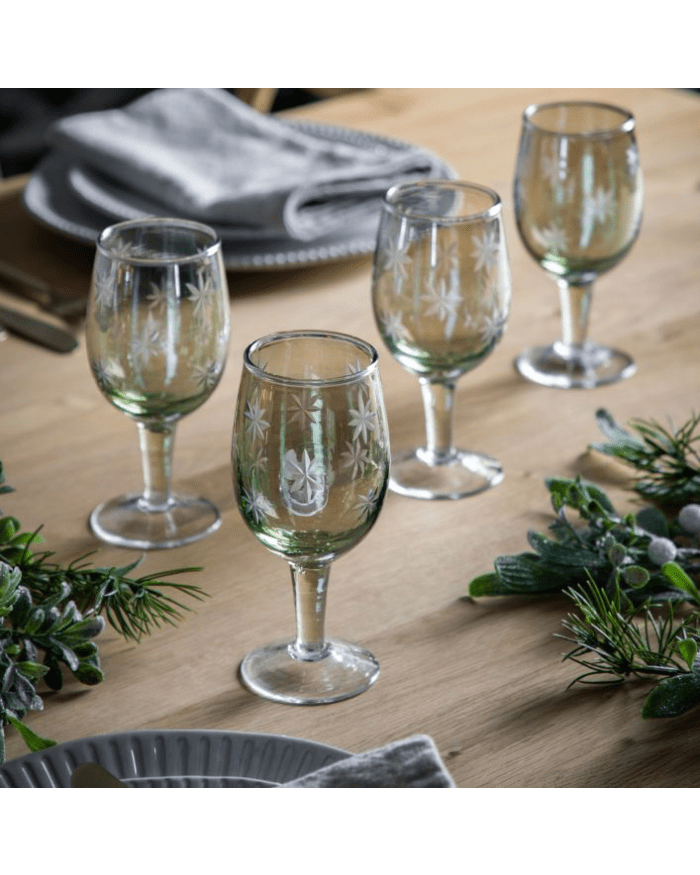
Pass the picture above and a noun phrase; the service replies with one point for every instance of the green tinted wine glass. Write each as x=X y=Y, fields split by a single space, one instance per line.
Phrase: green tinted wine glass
x=578 y=205
x=157 y=334
x=310 y=456
x=441 y=297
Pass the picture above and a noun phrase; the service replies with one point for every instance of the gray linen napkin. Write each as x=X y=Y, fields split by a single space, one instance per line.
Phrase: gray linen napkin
x=204 y=154
x=411 y=762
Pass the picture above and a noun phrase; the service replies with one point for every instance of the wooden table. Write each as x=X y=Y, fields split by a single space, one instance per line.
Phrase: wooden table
x=486 y=680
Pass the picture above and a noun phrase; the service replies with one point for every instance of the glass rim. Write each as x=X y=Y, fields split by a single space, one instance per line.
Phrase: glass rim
x=280 y=379
x=155 y=221
x=447 y=184
x=625 y=126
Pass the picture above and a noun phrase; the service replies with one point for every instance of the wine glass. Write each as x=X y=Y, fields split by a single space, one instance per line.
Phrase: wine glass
x=157 y=335
x=310 y=455
x=441 y=296
x=578 y=205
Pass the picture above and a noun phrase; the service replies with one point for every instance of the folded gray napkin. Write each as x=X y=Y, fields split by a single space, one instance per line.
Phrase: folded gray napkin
x=411 y=762
x=202 y=153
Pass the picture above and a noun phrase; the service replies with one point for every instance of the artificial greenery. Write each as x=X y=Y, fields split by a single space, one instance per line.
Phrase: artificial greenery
x=50 y=614
x=666 y=460
x=632 y=577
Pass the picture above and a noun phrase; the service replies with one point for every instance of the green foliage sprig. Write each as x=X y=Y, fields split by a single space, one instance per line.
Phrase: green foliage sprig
x=50 y=614
x=666 y=460
x=632 y=578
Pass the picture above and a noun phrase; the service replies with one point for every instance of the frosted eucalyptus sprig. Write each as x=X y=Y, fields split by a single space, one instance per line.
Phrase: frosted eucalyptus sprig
x=632 y=579
x=49 y=614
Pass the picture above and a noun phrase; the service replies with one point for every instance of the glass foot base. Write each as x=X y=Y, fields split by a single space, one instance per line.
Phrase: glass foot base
x=458 y=475
x=274 y=672
x=127 y=521
x=564 y=367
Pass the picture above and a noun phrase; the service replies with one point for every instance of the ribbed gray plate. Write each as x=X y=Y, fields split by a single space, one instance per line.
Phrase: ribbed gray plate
x=176 y=758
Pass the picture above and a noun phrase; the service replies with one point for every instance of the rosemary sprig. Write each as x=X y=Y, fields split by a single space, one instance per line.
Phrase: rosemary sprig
x=50 y=614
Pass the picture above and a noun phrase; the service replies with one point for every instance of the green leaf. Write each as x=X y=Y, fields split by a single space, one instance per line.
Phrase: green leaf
x=636 y=576
x=652 y=520
x=688 y=649
x=525 y=574
x=31 y=739
x=673 y=572
x=8 y=527
x=558 y=554
x=673 y=696
x=487 y=584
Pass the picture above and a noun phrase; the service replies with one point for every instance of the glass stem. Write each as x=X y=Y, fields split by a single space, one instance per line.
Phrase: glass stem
x=310 y=585
x=438 y=401
x=575 y=309
x=156 y=444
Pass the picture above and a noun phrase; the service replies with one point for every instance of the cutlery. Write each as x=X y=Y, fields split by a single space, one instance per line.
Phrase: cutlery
x=93 y=775
x=42 y=293
x=45 y=333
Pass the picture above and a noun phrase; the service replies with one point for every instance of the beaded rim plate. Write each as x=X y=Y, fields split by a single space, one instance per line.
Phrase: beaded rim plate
x=176 y=758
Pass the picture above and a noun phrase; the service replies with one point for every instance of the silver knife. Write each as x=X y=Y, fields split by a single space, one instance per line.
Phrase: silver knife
x=42 y=293
x=45 y=333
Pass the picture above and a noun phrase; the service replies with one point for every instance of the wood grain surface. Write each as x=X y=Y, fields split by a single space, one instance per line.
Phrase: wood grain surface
x=485 y=679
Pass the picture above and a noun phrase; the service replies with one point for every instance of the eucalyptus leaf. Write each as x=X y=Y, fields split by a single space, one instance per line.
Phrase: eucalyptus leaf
x=673 y=696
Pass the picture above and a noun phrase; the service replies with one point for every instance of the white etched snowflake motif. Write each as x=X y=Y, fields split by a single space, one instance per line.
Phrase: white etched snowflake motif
x=257 y=505
x=257 y=425
x=363 y=419
x=397 y=261
x=105 y=290
x=598 y=207
x=445 y=253
x=485 y=250
x=202 y=294
x=392 y=327
x=206 y=376
x=552 y=238
x=305 y=408
x=104 y=374
x=632 y=160
x=355 y=457
x=492 y=328
x=552 y=167
x=157 y=298
x=366 y=504
x=259 y=460
x=149 y=343
x=443 y=302
x=305 y=475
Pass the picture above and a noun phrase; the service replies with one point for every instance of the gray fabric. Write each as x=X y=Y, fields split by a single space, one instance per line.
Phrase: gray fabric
x=411 y=762
x=204 y=154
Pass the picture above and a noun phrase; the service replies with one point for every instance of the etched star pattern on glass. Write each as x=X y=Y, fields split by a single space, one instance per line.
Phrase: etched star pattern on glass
x=578 y=204
x=157 y=332
x=440 y=315
x=310 y=404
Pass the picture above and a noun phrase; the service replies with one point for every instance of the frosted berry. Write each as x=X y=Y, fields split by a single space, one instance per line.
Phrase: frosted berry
x=689 y=518
x=661 y=550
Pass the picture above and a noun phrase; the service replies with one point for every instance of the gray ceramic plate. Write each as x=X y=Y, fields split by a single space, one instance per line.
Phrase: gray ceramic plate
x=79 y=206
x=176 y=758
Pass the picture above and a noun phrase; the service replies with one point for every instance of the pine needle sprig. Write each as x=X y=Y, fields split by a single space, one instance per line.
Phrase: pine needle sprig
x=50 y=614
x=667 y=460
x=615 y=643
